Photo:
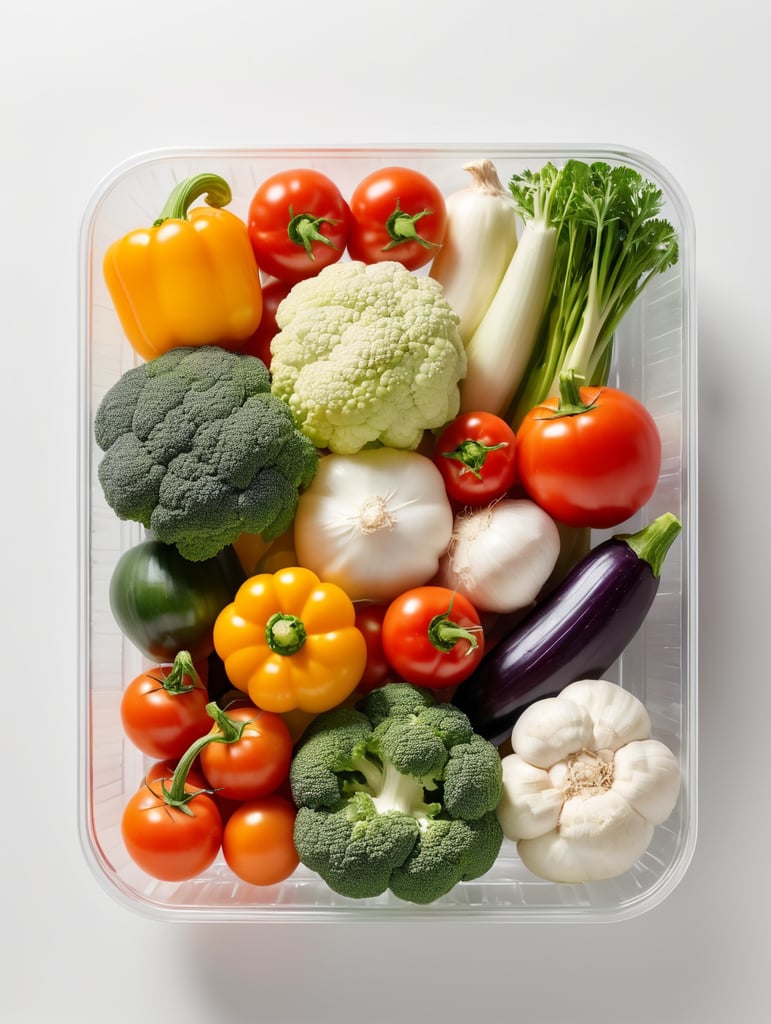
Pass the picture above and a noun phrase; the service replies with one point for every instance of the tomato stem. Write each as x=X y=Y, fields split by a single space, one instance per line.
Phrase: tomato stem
x=444 y=634
x=303 y=229
x=401 y=228
x=216 y=189
x=182 y=669
x=570 y=401
x=472 y=455
x=228 y=732
x=284 y=633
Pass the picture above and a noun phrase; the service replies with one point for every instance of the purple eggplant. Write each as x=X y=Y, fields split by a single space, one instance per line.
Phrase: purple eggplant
x=576 y=632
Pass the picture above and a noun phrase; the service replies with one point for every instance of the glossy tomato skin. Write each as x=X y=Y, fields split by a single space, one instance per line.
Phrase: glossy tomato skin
x=166 y=842
x=594 y=468
x=273 y=294
x=285 y=205
x=407 y=629
x=369 y=619
x=164 y=771
x=258 y=840
x=254 y=765
x=160 y=722
x=477 y=456
x=383 y=204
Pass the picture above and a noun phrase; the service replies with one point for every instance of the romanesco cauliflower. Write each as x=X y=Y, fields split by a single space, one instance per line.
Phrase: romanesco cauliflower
x=367 y=355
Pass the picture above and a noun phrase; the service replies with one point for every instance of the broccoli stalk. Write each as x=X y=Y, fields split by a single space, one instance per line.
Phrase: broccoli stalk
x=391 y=790
x=610 y=245
x=397 y=793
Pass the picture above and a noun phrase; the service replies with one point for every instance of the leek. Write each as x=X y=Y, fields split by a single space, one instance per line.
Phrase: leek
x=500 y=348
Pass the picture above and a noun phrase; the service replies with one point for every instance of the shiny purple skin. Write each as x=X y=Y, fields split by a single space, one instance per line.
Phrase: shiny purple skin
x=577 y=632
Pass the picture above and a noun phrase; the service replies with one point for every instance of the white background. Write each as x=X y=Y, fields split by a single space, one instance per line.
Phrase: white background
x=83 y=87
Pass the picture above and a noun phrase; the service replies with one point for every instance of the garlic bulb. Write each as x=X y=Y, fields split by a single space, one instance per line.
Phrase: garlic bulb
x=586 y=784
x=500 y=556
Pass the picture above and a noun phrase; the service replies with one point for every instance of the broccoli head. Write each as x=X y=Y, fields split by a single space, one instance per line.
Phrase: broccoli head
x=198 y=450
x=368 y=354
x=396 y=793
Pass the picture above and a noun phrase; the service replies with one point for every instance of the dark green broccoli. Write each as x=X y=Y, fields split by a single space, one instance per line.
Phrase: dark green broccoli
x=397 y=793
x=198 y=450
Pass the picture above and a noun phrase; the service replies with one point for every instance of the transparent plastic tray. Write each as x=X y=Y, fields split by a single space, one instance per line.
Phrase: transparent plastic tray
x=655 y=359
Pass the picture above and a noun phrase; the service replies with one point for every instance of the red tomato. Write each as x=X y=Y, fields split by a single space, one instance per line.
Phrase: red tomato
x=590 y=458
x=298 y=224
x=432 y=637
x=477 y=457
x=397 y=214
x=258 y=841
x=168 y=842
x=163 y=710
x=273 y=293
x=369 y=619
x=164 y=771
x=254 y=765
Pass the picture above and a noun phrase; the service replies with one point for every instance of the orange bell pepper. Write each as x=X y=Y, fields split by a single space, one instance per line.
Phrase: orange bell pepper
x=290 y=641
x=190 y=279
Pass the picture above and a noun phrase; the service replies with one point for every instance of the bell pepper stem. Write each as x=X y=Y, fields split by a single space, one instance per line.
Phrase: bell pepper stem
x=215 y=188
x=284 y=633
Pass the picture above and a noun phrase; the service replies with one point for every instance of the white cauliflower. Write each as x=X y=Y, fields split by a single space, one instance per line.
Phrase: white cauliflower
x=367 y=354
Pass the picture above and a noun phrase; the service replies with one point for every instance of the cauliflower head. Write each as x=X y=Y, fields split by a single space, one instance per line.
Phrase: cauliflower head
x=366 y=355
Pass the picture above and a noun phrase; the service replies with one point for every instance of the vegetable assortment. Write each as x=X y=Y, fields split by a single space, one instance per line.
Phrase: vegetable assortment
x=360 y=432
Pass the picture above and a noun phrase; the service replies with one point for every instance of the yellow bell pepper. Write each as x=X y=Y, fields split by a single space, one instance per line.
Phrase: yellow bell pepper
x=290 y=641
x=190 y=279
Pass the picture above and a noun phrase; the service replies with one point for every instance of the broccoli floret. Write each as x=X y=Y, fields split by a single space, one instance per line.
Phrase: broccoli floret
x=397 y=793
x=198 y=450
x=368 y=354
x=451 y=849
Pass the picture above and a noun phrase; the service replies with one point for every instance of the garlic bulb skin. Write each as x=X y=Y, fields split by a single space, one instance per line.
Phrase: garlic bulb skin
x=501 y=555
x=585 y=785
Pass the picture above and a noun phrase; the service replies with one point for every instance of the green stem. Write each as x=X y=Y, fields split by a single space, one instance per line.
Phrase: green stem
x=652 y=543
x=303 y=229
x=284 y=633
x=215 y=188
x=570 y=401
x=444 y=634
x=229 y=731
x=472 y=455
x=401 y=228
x=183 y=668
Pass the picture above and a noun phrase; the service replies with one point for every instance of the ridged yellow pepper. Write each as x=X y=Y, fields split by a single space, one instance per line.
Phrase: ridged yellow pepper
x=290 y=641
x=190 y=279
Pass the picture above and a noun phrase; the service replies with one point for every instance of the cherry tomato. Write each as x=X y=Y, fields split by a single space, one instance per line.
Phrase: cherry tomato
x=273 y=294
x=590 y=458
x=254 y=765
x=171 y=843
x=164 y=771
x=164 y=709
x=397 y=214
x=477 y=457
x=258 y=840
x=432 y=637
x=298 y=224
x=369 y=619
